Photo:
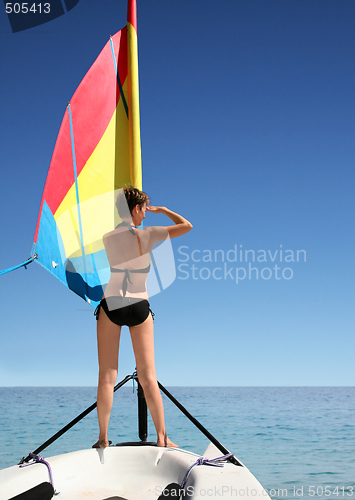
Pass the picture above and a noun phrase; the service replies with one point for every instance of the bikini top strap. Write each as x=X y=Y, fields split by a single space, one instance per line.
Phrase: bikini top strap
x=116 y=270
x=139 y=242
x=127 y=275
x=133 y=230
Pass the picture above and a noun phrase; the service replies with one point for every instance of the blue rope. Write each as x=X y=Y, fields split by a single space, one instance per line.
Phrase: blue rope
x=77 y=197
x=24 y=264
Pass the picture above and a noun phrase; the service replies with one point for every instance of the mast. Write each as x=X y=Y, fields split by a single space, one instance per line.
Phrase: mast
x=133 y=97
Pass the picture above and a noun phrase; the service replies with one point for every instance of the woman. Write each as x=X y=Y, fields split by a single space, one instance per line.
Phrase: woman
x=126 y=303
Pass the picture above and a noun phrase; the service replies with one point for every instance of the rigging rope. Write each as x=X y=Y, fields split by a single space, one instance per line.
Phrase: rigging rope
x=24 y=264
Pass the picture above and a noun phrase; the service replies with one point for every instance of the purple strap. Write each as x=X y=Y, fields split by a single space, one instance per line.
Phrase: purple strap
x=38 y=459
x=217 y=462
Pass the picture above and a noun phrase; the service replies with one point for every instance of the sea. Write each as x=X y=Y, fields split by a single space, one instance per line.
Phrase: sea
x=299 y=442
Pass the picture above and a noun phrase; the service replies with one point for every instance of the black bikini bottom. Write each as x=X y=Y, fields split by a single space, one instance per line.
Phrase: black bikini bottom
x=124 y=311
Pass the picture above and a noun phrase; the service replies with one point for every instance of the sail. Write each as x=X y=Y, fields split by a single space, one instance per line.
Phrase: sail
x=96 y=153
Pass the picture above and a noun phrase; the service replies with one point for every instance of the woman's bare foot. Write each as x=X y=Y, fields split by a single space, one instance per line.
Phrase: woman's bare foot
x=104 y=443
x=166 y=443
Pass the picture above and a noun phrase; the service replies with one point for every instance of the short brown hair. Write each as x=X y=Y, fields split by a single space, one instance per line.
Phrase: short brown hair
x=133 y=197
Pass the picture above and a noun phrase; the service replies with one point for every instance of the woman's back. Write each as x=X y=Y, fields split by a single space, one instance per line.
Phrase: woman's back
x=128 y=252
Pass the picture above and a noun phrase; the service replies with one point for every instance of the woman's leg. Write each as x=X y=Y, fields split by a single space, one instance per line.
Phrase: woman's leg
x=108 y=340
x=143 y=345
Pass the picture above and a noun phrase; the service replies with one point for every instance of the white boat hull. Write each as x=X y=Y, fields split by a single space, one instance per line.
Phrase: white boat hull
x=132 y=473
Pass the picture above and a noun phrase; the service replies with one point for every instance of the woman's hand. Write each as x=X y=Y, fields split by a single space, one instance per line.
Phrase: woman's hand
x=156 y=210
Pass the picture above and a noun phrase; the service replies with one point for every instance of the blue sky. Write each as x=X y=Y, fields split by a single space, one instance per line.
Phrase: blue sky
x=247 y=125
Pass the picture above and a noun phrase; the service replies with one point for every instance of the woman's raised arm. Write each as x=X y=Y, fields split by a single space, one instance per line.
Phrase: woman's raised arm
x=182 y=225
